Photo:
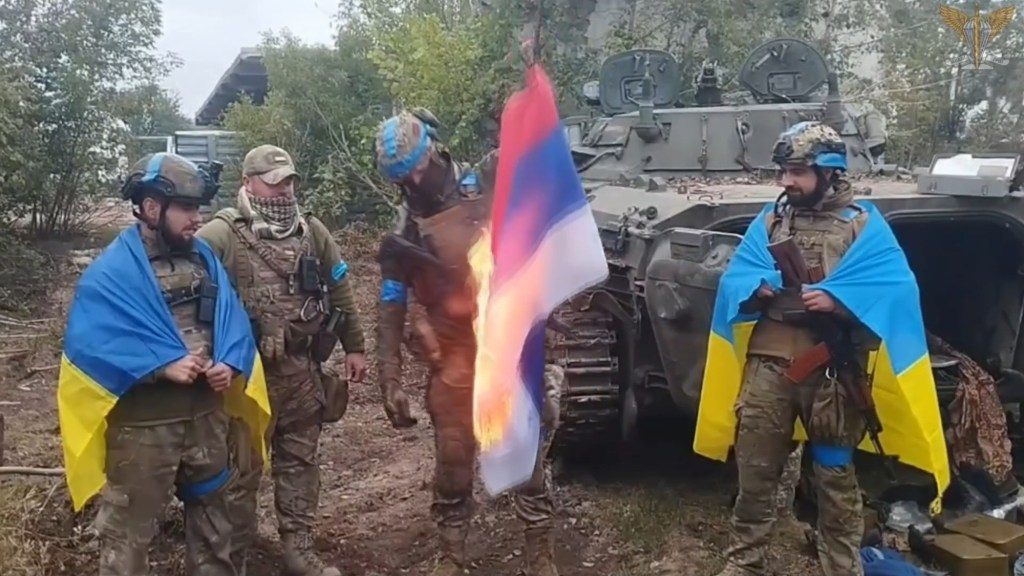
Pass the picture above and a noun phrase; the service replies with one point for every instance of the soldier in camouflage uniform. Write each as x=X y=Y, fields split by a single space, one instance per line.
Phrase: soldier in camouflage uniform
x=170 y=431
x=294 y=284
x=817 y=209
x=445 y=205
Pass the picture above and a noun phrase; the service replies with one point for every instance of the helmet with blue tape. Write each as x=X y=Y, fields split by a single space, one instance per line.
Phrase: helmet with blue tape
x=812 y=144
x=404 y=142
x=173 y=178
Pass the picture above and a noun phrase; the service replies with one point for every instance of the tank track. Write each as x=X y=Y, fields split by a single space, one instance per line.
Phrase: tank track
x=590 y=399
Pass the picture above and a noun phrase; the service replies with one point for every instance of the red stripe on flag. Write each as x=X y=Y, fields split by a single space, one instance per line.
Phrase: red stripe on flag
x=527 y=120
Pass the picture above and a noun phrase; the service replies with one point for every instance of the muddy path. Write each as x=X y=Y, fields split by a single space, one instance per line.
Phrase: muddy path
x=651 y=510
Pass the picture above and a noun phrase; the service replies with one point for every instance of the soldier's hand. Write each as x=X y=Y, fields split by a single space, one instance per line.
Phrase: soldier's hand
x=396 y=406
x=219 y=377
x=818 y=301
x=765 y=291
x=355 y=366
x=185 y=370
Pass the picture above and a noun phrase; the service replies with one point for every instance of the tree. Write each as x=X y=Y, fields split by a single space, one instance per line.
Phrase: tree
x=323 y=106
x=74 y=57
x=149 y=110
x=929 y=95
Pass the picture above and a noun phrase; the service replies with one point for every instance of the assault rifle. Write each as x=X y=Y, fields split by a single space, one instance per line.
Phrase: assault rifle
x=836 y=350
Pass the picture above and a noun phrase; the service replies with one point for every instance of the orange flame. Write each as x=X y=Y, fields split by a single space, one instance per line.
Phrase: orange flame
x=492 y=401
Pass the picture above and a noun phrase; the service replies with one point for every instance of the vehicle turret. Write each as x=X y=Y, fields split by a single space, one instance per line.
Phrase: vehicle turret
x=646 y=133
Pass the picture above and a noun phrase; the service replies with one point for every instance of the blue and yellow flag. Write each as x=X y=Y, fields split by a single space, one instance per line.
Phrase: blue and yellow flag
x=874 y=281
x=119 y=330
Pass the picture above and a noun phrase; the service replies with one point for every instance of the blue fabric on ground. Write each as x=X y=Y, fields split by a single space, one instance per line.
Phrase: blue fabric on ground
x=886 y=562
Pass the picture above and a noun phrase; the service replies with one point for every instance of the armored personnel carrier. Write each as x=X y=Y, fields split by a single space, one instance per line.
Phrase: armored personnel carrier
x=673 y=189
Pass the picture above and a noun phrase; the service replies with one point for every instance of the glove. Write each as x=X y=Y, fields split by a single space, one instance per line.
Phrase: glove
x=396 y=404
x=389 y=355
x=271 y=340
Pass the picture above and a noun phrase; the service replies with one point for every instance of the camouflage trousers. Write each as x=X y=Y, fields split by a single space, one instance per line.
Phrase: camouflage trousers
x=294 y=439
x=785 y=495
x=144 y=465
x=450 y=405
x=766 y=411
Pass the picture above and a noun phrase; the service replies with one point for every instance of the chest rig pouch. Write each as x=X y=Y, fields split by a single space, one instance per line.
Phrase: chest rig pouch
x=191 y=297
x=449 y=235
x=822 y=237
x=302 y=275
x=189 y=287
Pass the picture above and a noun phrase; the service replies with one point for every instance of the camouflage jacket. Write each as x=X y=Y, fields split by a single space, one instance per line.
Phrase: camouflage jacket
x=237 y=259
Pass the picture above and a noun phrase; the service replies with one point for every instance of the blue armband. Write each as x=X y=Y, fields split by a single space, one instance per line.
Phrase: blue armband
x=393 y=291
x=831 y=456
x=197 y=490
x=339 y=271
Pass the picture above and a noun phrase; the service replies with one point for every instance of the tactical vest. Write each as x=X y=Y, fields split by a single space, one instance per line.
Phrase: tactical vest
x=267 y=273
x=449 y=235
x=163 y=401
x=823 y=237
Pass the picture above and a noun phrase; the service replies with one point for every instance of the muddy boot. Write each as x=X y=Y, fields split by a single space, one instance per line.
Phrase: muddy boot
x=453 y=552
x=301 y=560
x=540 y=552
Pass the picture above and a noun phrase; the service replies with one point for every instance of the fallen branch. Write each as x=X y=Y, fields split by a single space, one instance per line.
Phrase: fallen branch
x=11 y=321
x=30 y=471
x=37 y=369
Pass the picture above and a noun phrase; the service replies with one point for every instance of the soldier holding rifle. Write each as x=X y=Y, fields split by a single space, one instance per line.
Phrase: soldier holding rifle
x=806 y=358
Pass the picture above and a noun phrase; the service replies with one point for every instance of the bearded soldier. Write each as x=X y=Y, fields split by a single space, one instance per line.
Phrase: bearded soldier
x=445 y=205
x=155 y=338
x=818 y=212
x=295 y=285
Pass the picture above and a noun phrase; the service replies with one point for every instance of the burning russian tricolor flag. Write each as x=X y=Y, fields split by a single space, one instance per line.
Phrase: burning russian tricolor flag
x=542 y=248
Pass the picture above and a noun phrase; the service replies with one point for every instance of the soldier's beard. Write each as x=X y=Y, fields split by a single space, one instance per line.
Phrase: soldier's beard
x=175 y=242
x=800 y=199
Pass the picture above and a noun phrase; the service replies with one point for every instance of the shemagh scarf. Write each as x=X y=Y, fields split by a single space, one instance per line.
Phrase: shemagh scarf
x=270 y=218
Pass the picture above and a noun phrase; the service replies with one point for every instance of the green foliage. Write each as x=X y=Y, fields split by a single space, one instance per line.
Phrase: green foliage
x=323 y=106
x=68 y=63
x=449 y=56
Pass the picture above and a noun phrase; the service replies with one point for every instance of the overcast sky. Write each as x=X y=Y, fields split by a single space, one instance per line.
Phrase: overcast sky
x=207 y=35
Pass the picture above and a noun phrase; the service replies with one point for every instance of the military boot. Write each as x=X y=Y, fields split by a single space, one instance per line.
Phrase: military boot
x=453 y=551
x=301 y=560
x=540 y=552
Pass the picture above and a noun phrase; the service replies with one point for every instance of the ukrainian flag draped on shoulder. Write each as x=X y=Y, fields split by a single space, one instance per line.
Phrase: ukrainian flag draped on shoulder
x=873 y=281
x=119 y=330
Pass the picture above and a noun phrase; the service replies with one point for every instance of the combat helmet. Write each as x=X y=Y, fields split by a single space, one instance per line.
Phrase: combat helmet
x=812 y=144
x=172 y=178
x=405 y=141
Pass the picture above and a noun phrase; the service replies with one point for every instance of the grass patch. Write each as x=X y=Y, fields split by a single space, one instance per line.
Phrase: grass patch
x=32 y=518
x=668 y=531
x=647 y=518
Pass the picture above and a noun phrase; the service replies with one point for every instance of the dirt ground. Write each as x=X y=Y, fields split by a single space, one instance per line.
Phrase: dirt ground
x=651 y=510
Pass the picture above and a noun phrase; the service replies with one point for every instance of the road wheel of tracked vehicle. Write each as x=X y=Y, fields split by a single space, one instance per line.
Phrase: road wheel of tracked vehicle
x=590 y=407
